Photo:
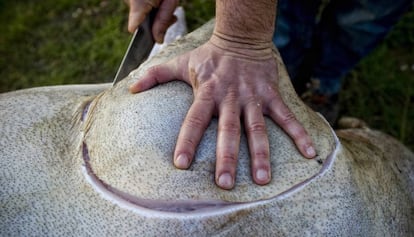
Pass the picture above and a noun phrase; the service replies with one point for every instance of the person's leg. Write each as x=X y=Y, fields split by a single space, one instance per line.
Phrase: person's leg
x=295 y=23
x=347 y=32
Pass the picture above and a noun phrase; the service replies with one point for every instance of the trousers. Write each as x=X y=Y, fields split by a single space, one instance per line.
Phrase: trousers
x=326 y=39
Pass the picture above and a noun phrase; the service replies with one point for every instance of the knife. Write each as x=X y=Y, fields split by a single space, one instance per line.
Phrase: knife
x=139 y=48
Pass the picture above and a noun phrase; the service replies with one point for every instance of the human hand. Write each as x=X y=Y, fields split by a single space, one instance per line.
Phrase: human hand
x=139 y=9
x=229 y=80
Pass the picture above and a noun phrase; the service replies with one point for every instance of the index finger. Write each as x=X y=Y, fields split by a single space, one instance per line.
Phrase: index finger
x=192 y=129
x=138 y=10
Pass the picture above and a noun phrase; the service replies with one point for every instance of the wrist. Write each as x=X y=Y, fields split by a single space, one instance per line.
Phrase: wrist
x=242 y=47
x=252 y=20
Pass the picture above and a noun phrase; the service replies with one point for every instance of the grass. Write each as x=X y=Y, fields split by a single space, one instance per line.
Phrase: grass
x=71 y=41
x=381 y=88
x=60 y=42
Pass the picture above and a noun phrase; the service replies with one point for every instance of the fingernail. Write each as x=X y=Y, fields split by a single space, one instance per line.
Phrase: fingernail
x=225 y=181
x=160 y=37
x=310 y=151
x=133 y=88
x=181 y=162
x=262 y=175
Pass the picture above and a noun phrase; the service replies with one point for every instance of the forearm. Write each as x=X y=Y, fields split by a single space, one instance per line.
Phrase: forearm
x=246 y=20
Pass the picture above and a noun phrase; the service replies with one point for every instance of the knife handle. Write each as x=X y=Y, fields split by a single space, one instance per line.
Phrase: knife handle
x=149 y=21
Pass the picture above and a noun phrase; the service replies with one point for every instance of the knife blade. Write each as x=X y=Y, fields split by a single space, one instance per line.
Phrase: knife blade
x=139 y=48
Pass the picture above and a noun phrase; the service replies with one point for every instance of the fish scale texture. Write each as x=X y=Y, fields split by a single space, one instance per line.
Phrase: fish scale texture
x=45 y=190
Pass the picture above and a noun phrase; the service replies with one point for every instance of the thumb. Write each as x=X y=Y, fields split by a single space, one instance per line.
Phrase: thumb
x=137 y=13
x=156 y=75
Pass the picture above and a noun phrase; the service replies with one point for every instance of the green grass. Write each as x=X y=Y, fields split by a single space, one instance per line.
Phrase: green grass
x=71 y=41
x=60 y=42
x=381 y=88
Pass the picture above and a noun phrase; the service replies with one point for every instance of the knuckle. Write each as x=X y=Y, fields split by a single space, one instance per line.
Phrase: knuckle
x=262 y=154
x=195 y=122
x=232 y=96
x=232 y=128
x=165 y=20
x=257 y=127
x=248 y=92
x=250 y=98
x=208 y=88
x=154 y=73
x=152 y=3
x=206 y=91
x=188 y=143
x=229 y=158
x=287 y=118
x=251 y=101
x=273 y=100
x=155 y=70
x=300 y=135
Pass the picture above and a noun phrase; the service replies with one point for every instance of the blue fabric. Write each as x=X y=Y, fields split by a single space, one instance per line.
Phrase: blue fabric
x=333 y=41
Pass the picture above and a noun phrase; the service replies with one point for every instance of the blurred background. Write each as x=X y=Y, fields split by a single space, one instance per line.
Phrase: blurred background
x=55 y=42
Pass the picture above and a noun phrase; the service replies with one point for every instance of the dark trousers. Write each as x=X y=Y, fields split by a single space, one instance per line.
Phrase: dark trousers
x=327 y=42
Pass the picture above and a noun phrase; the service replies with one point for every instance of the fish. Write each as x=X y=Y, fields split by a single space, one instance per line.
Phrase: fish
x=82 y=160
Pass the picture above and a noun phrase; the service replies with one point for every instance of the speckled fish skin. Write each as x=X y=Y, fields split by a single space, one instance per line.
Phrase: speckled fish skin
x=56 y=151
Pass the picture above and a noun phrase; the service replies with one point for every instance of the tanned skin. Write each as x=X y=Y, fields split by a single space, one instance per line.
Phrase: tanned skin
x=234 y=77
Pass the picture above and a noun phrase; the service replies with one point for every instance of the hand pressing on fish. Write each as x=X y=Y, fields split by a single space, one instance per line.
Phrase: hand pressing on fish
x=230 y=82
x=234 y=77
